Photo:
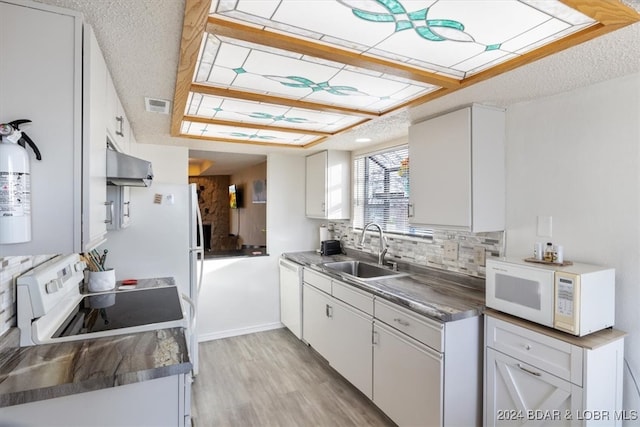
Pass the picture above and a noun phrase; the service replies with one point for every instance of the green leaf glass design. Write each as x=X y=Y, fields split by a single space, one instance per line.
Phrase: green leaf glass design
x=426 y=28
x=304 y=83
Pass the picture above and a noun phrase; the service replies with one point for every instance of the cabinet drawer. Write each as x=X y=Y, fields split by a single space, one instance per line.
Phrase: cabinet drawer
x=352 y=296
x=552 y=355
x=317 y=280
x=429 y=332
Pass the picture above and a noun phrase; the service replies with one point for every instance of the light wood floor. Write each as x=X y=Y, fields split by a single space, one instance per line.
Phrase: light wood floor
x=273 y=379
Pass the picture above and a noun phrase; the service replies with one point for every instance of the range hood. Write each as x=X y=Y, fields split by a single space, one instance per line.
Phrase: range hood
x=125 y=170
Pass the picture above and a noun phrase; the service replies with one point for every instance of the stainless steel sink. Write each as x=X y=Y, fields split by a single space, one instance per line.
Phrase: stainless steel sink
x=361 y=270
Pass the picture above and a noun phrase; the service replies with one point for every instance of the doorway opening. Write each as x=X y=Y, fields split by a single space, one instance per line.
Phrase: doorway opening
x=231 y=191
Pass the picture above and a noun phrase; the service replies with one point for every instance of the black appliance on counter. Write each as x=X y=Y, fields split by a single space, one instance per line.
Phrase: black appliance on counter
x=330 y=247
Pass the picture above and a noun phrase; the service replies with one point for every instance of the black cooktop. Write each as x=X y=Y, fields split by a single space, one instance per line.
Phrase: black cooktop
x=122 y=309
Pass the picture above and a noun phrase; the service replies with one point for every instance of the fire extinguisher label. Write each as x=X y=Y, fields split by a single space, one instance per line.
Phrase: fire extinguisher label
x=15 y=194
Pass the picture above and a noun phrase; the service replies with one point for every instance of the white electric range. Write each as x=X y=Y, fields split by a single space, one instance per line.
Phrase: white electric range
x=51 y=307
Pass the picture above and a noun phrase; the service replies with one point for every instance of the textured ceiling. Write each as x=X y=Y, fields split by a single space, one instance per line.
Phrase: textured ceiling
x=140 y=40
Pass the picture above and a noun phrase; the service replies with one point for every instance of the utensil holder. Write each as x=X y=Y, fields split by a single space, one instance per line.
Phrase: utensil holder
x=100 y=281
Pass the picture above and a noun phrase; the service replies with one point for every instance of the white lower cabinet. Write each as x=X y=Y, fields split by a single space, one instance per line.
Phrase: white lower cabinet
x=521 y=393
x=352 y=346
x=407 y=378
x=316 y=323
x=538 y=376
x=418 y=371
x=341 y=334
x=426 y=372
x=158 y=402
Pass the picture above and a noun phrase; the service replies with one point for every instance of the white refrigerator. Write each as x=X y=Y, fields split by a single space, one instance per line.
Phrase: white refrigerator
x=162 y=241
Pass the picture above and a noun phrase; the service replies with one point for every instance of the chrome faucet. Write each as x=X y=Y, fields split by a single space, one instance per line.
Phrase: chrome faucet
x=382 y=250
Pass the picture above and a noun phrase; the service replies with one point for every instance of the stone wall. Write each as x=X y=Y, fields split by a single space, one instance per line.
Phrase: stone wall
x=213 y=198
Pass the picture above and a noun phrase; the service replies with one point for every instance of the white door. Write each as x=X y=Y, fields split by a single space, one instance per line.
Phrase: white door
x=351 y=354
x=519 y=394
x=407 y=379
x=316 y=323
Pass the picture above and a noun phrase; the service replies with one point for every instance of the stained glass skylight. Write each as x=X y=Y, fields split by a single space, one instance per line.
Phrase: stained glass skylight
x=253 y=68
x=295 y=72
x=457 y=38
x=265 y=114
x=240 y=134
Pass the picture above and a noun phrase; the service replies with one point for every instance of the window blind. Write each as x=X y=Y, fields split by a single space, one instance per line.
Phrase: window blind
x=381 y=191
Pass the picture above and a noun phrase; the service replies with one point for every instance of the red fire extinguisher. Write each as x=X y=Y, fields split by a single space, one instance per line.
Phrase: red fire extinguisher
x=15 y=183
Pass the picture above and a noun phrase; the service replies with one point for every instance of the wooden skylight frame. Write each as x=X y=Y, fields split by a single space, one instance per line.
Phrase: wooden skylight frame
x=609 y=14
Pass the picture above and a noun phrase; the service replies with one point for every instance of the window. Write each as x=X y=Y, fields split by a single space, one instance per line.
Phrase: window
x=381 y=191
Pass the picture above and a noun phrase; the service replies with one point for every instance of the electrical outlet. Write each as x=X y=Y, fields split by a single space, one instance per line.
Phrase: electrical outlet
x=451 y=250
x=479 y=255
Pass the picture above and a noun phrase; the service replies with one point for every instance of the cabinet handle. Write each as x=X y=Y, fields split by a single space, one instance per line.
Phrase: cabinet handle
x=128 y=210
x=374 y=337
x=328 y=311
x=401 y=321
x=120 y=120
x=410 y=210
x=529 y=371
x=110 y=219
x=324 y=207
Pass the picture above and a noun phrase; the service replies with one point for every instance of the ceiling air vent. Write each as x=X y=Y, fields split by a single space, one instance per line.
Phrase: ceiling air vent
x=154 y=105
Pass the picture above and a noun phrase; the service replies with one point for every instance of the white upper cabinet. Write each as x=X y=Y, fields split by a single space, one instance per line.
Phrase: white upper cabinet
x=118 y=128
x=94 y=156
x=68 y=186
x=40 y=80
x=457 y=172
x=328 y=185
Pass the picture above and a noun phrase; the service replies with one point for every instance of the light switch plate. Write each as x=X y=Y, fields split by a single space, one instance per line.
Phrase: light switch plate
x=479 y=255
x=544 y=226
x=451 y=250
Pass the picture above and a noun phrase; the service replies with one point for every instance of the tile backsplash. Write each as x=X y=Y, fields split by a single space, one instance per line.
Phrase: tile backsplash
x=429 y=251
x=10 y=268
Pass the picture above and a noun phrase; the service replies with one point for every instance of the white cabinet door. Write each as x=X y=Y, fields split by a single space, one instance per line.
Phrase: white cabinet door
x=351 y=353
x=328 y=185
x=341 y=334
x=407 y=379
x=316 y=173
x=119 y=204
x=156 y=402
x=118 y=128
x=40 y=80
x=520 y=394
x=457 y=174
x=440 y=174
x=94 y=156
x=291 y=297
x=316 y=321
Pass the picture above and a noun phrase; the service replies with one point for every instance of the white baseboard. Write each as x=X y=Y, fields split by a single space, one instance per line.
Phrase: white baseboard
x=241 y=331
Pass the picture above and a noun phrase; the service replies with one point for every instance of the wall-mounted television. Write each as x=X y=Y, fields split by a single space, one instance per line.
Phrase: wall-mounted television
x=235 y=197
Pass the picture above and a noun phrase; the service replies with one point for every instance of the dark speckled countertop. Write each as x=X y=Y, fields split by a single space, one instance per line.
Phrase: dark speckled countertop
x=438 y=294
x=47 y=371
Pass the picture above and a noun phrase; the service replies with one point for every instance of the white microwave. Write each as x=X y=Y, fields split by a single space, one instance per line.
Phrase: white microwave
x=578 y=299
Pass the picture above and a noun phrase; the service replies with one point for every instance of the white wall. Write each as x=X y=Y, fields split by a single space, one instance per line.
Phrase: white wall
x=140 y=251
x=170 y=164
x=241 y=295
x=576 y=157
